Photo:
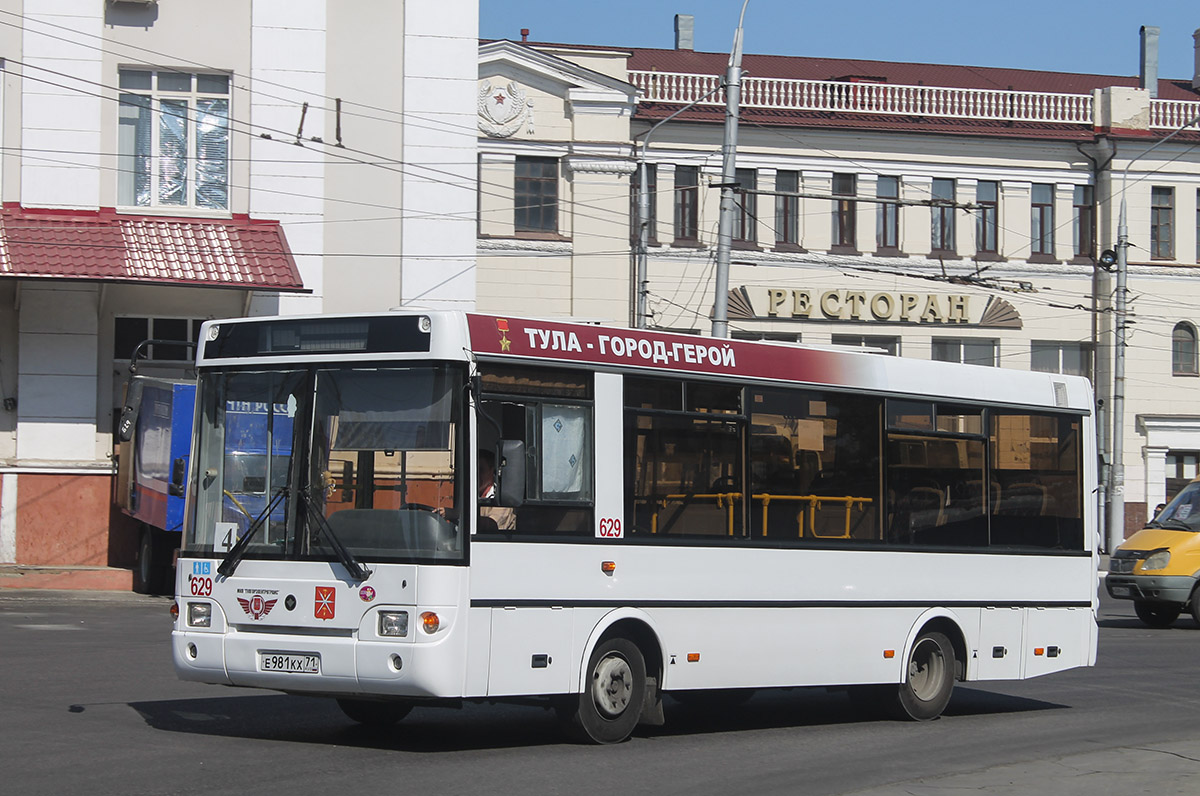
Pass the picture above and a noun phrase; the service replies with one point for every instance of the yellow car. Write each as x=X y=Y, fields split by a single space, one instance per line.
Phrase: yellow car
x=1159 y=566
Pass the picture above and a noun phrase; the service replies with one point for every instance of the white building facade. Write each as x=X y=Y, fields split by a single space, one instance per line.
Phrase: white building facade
x=166 y=163
x=930 y=211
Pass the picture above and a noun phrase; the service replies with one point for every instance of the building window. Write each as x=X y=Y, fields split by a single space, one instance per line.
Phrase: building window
x=942 y=212
x=787 y=209
x=1181 y=469
x=1074 y=359
x=1162 y=223
x=887 y=215
x=635 y=199
x=536 y=193
x=1183 y=350
x=1042 y=220
x=745 y=217
x=128 y=332
x=844 y=212
x=1083 y=227
x=966 y=350
x=173 y=140
x=687 y=204
x=987 y=196
x=888 y=344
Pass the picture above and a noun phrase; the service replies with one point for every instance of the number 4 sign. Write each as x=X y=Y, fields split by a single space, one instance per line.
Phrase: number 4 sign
x=226 y=536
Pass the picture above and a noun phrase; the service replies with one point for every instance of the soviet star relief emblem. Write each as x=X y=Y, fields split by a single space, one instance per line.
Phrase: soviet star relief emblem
x=503 y=112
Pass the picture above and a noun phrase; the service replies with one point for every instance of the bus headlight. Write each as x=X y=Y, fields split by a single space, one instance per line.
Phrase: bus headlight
x=199 y=614
x=393 y=623
x=1157 y=560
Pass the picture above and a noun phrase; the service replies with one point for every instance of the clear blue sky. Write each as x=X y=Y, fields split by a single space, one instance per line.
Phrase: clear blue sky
x=1055 y=35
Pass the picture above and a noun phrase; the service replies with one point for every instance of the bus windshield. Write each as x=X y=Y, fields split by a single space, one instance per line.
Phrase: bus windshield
x=301 y=459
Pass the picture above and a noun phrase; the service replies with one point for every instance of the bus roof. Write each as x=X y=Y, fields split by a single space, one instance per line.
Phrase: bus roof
x=453 y=335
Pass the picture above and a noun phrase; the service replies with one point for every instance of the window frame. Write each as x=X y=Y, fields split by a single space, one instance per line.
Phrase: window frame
x=1184 y=352
x=987 y=228
x=961 y=344
x=943 y=235
x=540 y=216
x=152 y=166
x=887 y=216
x=687 y=205
x=844 y=187
x=745 y=217
x=1162 y=222
x=1085 y=352
x=1041 y=221
x=1083 y=222
x=787 y=210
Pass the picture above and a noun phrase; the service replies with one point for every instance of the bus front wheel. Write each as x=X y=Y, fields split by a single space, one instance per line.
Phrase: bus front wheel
x=929 y=678
x=608 y=708
x=375 y=714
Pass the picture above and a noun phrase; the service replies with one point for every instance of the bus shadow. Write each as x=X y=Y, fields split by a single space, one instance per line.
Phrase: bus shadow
x=315 y=720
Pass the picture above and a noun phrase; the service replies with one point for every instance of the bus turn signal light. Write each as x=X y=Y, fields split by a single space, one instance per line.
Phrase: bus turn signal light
x=430 y=622
x=693 y=657
x=608 y=567
x=889 y=654
x=1039 y=651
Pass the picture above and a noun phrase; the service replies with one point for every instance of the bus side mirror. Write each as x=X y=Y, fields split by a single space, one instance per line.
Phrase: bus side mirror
x=178 y=474
x=510 y=473
x=129 y=412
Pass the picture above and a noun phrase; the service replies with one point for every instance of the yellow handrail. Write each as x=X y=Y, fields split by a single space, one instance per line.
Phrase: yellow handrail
x=726 y=500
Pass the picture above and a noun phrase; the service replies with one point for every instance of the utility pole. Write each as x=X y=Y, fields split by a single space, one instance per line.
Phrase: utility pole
x=733 y=97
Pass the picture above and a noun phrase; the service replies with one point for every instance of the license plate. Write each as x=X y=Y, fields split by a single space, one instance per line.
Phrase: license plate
x=1121 y=591
x=289 y=662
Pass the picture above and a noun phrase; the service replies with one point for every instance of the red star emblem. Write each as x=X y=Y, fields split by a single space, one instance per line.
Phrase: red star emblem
x=499 y=98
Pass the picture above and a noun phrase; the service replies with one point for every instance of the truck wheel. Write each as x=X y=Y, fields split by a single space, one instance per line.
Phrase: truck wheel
x=1194 y=604
x=1156 y=614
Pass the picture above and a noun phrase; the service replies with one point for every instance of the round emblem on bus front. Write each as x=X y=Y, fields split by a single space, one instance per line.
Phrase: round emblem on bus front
x=366 y=594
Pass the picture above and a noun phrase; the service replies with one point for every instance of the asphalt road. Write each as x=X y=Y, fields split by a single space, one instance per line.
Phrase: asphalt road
x=90 y=705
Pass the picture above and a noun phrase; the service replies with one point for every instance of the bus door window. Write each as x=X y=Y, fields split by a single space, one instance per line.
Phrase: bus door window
x=935 y=475
x=685 y=476
x=549 y=410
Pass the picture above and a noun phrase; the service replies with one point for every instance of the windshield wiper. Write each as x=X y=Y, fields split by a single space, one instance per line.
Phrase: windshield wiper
x=234 y=556
x=356 y=570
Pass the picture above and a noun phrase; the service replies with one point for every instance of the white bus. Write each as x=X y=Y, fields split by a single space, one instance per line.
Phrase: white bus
x=673 y=514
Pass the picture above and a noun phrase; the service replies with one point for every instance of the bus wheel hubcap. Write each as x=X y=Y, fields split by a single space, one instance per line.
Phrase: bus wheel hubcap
x=926 y=669
x=612 y=686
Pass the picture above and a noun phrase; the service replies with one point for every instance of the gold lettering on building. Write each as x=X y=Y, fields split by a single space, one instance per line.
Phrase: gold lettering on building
x=830 y=305
x=932 y=312
x=908 y=303
x=882 y=306
x=801 y=304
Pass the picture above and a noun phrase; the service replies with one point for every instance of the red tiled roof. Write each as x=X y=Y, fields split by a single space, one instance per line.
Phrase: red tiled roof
x=102 y=245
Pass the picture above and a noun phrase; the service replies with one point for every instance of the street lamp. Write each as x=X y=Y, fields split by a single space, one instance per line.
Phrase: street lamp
x=1116 y=503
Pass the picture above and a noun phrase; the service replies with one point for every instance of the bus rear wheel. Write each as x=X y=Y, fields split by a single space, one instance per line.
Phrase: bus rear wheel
x=375 y=714
x=1194 y=604
x=1158 y=615
x=608 y=708
x=928 y=680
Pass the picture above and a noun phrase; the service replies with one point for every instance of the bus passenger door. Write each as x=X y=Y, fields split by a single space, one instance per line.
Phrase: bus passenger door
x=531 y=651
x=1001 y=642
